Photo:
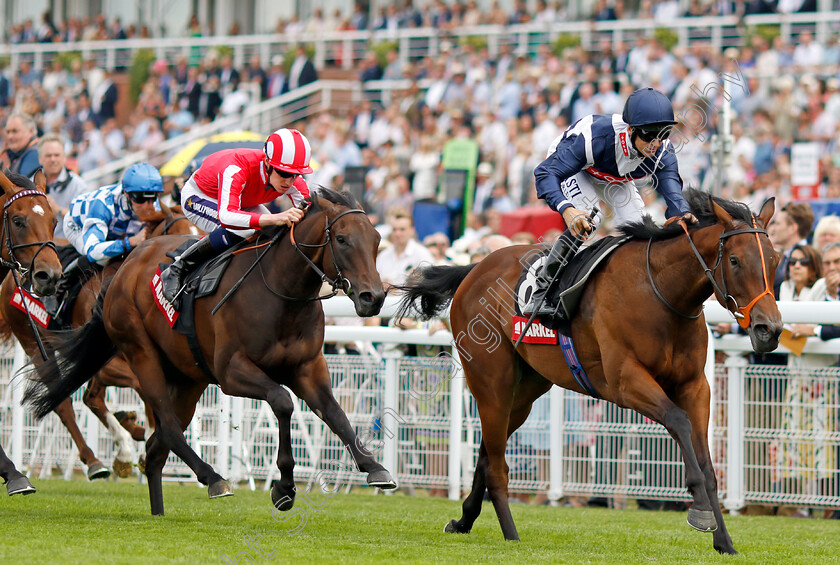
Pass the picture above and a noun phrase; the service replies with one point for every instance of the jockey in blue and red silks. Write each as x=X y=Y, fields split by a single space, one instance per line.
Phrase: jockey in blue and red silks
x=600 y=157
x=226 y=197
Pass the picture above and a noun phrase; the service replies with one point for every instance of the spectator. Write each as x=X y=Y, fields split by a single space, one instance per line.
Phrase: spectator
x=827 y=231
x=789 y=227
x=104 y=99
x=438 y=244
x=63 y=185
x=405 y=253
x=302 y=71
x=21 y=152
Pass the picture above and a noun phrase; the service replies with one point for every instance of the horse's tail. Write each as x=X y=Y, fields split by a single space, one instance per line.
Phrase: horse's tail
x=79 y=354
x=434 y=287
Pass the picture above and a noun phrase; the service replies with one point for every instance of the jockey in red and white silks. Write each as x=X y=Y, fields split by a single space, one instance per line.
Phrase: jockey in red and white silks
x=226 y=197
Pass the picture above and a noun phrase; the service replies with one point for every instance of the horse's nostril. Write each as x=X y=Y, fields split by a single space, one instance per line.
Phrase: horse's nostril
x=42 y=277
x=366 y=298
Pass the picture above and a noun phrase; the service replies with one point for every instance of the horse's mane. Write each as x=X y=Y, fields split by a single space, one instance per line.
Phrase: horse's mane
x=700 y=204
x=19 y=180
x=343 y=198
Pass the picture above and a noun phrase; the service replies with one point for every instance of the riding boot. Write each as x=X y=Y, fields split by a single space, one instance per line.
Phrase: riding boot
x=173 y=276
x=557 y=259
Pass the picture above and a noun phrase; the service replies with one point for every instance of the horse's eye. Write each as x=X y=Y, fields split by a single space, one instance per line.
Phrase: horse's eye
x=19 y=222
x=340 y=239
x=733 y=261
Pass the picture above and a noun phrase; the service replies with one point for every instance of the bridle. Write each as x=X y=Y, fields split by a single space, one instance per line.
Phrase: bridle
x=169 y=223
x=14 y=265
x=740 y=313
x=340 y=282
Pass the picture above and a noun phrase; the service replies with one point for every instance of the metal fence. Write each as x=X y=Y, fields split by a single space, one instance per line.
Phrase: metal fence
x=774 y=432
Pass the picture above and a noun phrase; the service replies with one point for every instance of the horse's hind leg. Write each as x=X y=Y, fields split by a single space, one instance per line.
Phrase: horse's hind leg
x=531 y=387
x=245 y=379
x=156 y=454
x=313 y=386
x=695 y=400
x=94 y=399
x=16 y=482
x=95 y=468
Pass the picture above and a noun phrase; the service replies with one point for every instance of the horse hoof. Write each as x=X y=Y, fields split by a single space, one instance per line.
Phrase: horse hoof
x=141 y=464
x=702 y=520
x=97 y=470
x=20 y=485
x=282 y=500
x=381 y=479
x=219 y=489
x=122 y=468
x=452 y=528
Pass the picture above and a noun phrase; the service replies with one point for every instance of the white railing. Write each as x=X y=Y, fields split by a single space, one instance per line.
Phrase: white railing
x=345 y=49
x=417 y=417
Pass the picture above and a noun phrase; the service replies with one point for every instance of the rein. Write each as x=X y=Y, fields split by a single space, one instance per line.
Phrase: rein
x=168 y=225
x=14 y=265
x=338 y=283
x=740 y=313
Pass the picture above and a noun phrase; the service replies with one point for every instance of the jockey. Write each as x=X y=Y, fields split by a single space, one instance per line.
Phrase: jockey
x=226 y=197
x=600 y=157
x=108 y=222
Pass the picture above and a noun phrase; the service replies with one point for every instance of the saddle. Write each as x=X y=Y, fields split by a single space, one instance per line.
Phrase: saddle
x=568 y=289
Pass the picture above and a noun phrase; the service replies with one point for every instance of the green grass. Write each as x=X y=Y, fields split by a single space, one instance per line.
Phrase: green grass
x=79 y=522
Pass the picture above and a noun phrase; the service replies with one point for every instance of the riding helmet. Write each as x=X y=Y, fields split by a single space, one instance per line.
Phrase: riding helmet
x=288 y=150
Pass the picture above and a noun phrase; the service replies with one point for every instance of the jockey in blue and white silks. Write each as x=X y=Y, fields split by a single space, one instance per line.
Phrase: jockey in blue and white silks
x=600 y=157
x=109 y=222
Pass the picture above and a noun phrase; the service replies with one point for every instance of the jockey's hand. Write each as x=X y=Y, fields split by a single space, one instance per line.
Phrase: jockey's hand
x=688 y=217
x=286 y=218
x=578 y=222
x=139 y=237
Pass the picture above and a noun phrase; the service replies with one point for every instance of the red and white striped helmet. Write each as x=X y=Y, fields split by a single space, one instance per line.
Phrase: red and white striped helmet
x=288 y=150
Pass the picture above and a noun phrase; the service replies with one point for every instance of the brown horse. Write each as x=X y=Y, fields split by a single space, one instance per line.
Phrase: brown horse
x=268 y=334
x=114 y=373
x=639 y=334
x=27 y=250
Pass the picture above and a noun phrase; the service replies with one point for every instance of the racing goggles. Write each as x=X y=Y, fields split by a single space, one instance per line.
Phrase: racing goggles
x=649 y=134
x=284 y=174
x=142 y=197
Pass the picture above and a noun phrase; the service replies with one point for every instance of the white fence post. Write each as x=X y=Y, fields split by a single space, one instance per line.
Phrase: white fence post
x=456 y=425
x=736 y=366
x=391 y=408
x=710 y=377
x=17 y=408
x=223 y=460
x=237 y=411
x=557 y=421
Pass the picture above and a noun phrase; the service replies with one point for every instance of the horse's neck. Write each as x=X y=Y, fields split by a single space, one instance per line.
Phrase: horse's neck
x=289 y=273
x=683 y=270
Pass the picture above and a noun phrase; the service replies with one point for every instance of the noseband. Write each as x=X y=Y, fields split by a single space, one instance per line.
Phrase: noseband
x=741 y=313
x=14 y=264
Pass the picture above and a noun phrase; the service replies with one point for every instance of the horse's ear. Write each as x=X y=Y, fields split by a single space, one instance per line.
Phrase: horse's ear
x=8 y=186
x=722 y=215
x=767 y=211
x=167 y=212
x=40 y=180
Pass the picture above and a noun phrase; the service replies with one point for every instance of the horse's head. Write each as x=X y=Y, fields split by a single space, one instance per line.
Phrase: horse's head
x=350 y=254
x=747 y=268
x=28 y=225
x=172 y=223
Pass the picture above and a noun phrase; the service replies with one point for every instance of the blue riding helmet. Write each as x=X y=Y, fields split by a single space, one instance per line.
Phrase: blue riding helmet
x=142 y=178
x=648 y=107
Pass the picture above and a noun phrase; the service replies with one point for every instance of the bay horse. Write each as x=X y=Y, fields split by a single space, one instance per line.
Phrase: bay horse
x=639 y=333
x=27 y=250
x=115 y=373
x=267 y=335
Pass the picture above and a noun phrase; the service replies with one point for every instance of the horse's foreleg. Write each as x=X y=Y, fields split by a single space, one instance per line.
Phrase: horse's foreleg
x=644 y=395
x=472 y=504
x=244 y=378
x=117 y=373
x=95 y=468
x=16 y=482
x=695 y=400
x=312 y=385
